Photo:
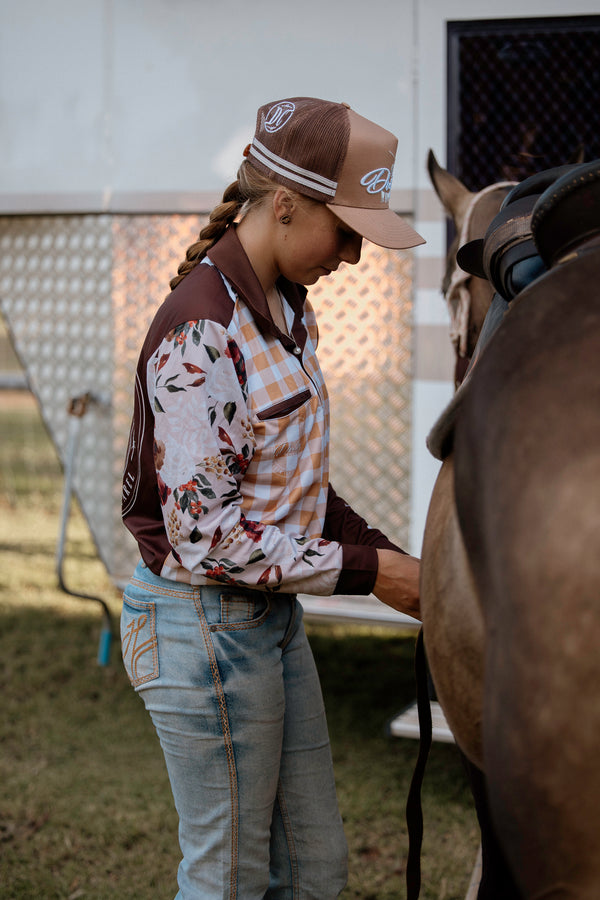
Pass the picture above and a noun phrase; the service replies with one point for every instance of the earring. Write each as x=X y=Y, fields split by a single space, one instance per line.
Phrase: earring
x=285 y=220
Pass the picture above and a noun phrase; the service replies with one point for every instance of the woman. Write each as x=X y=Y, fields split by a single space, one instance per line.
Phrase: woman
x=226 y=490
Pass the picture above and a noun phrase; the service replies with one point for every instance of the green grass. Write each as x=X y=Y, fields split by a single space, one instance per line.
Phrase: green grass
x=85 y=805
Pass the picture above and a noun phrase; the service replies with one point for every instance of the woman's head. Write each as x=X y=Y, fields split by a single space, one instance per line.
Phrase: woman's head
x=327 y=152
x=334 y=165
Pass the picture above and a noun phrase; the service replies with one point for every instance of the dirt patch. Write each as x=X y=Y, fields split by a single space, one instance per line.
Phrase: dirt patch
x=12 y=399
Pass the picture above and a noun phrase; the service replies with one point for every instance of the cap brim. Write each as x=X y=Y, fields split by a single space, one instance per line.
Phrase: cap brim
x=381 y=226
x=470 y=258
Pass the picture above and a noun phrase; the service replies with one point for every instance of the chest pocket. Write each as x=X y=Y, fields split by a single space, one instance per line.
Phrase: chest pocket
x=283 y=436
x=284 y=407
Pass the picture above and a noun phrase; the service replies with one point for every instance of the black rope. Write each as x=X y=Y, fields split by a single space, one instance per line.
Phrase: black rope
x=414 y=812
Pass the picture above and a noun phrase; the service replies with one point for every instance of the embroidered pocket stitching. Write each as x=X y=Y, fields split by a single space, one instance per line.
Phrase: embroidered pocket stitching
x=132 y=651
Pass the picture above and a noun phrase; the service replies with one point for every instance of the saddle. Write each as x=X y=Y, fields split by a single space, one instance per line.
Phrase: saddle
x=567 y=214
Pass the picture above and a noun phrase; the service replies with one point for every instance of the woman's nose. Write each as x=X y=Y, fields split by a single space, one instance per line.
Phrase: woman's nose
x=351 y=249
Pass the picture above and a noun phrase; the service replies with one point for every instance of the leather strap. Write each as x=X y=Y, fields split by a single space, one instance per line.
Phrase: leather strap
x=414 y=812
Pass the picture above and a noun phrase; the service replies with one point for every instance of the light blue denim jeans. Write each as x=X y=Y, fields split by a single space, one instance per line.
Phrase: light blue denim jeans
x=229 y=679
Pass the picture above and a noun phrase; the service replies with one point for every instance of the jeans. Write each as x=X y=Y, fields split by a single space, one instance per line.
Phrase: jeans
x=229 y=680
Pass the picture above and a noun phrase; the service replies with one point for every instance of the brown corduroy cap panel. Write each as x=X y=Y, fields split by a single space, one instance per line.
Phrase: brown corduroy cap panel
x=318 y=141
x=307 y=153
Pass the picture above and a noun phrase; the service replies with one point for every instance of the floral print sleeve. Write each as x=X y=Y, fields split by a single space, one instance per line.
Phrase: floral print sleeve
x=203 y=444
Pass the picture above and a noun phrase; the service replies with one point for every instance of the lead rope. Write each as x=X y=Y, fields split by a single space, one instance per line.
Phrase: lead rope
x=414 y=811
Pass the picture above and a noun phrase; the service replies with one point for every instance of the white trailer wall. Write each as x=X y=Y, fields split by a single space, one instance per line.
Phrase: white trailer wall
x=144 y=106
x=109 y=102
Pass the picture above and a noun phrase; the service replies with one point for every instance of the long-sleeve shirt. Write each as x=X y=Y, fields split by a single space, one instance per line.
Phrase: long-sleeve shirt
x=227 y=475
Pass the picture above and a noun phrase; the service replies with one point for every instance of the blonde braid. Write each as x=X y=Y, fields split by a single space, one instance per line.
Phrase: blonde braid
x=250 y=189
x=219 y=220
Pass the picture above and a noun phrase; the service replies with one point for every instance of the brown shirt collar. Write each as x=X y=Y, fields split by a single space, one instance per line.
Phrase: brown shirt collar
x=229 y=257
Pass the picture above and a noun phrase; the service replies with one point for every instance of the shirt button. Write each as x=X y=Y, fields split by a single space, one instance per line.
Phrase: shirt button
x=297 y=351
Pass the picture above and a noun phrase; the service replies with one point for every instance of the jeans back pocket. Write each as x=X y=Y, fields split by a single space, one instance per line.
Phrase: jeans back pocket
x=139 y=644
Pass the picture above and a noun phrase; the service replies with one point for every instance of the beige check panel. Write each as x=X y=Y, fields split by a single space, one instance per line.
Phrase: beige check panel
x=286 y=482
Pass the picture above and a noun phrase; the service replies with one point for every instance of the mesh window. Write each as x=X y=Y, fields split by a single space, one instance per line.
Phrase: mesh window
x=523 y=95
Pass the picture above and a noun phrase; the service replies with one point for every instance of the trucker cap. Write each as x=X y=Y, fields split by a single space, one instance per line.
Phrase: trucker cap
x=326 y=151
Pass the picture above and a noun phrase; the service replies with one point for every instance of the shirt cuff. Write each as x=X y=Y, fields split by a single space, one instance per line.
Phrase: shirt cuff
x=359 y=570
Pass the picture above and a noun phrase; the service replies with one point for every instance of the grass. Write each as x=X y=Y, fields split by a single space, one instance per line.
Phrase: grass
x=85 y=805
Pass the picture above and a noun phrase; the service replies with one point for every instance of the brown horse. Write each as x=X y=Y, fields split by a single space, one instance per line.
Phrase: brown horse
x=510 y=593
x=468 y=297
x=450 y=609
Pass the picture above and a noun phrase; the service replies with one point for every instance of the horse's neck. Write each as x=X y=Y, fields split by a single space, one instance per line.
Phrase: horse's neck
x=469 y=299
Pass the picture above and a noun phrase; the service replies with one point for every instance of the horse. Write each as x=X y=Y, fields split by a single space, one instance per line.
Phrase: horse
x=510 y=588
x=452 y=618
x=468 y=297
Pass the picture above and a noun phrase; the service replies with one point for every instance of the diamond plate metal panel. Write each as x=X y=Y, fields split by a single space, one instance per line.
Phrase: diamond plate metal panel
x=55 y=284
x=78 y=293
x=365 y=316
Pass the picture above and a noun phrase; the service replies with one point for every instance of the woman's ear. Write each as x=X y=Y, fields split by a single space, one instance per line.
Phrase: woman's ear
x=283 y=204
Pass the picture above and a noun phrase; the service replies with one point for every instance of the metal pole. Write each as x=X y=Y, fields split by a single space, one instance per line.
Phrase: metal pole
x=77 y=409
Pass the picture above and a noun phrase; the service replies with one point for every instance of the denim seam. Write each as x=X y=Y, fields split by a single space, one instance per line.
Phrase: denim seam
x=242 y=626
x=160 y=589
x=228 y=602
x=287 y=828
x=223 y=715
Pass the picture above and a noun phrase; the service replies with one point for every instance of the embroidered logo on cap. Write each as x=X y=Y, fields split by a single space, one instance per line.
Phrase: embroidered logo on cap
x=378 y=181
x=278 y=116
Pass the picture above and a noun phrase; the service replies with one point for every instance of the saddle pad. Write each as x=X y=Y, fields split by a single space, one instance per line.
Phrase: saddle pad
x=440 y=439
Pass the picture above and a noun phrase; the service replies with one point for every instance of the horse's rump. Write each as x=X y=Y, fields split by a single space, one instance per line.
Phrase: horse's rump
x=527 y=477
x=452 y=619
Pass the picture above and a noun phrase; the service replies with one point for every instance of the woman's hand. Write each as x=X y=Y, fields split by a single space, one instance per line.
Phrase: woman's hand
x=397 y=582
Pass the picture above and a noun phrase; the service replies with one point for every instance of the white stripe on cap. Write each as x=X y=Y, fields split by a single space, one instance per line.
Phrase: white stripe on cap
x=290 y=170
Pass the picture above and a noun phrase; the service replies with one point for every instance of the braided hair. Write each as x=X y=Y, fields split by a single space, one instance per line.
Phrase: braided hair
x=249 y=190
